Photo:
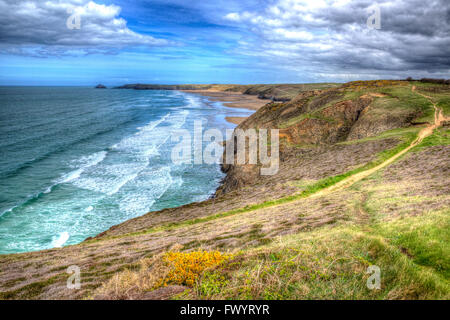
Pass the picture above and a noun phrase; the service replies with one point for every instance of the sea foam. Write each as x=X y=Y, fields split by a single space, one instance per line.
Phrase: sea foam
x=132 y=157
x=59 y=241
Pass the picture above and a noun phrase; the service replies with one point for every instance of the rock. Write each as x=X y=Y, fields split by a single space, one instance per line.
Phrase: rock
x=100 y=86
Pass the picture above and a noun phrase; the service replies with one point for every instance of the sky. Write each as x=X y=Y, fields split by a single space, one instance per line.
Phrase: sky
x=114 y=42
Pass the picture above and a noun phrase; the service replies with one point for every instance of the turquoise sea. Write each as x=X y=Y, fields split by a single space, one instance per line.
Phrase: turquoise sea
x=74 y=161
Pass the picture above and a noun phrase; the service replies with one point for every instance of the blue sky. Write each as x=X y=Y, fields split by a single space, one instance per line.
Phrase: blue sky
x=174 y=41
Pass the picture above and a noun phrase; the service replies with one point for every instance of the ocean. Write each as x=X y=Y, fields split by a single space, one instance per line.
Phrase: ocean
x=75 y=161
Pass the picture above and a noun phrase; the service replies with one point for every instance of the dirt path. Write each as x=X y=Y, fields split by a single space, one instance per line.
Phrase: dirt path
x=438 y=115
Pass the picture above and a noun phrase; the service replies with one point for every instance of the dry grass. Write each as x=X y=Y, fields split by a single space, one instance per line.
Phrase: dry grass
x=162 y=270
x=130 y=284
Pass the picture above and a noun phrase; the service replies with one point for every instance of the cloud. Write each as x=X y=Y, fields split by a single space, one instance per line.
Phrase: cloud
x=233 y=16
x=41 y=28
x=332 y=37
x=295 y=40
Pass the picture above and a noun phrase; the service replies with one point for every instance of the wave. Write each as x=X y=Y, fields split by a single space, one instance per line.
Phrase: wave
x=132 y=156
x=152 y=184
x=29 y=163
x=192 y=101
x=59 y=241
x=9 y=210
x=29 y=200
x=123 y=182
x=178 y=181
x=109 y=179
x=88 y=161
x=131 y=141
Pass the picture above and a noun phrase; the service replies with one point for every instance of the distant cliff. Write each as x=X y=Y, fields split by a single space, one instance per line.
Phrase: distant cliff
x=275 y=92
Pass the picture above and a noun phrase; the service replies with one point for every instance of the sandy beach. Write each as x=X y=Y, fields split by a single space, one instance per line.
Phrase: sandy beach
x=235 y=120
x=233 y=100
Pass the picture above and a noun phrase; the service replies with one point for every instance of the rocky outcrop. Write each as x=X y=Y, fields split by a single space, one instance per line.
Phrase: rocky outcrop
x=330 y=125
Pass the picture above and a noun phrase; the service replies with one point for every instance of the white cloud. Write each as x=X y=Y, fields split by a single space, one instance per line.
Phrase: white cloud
x=294 y=34
x=40 y=28
x=233 y=16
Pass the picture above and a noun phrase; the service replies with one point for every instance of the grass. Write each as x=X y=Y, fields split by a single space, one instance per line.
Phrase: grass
x=401 y=100
x=29 y=291
x=331 y=263
x=284 y=91
x=444 y=104
x=404 y=134
x=397 y=101
x=314 y=115
x=295 y=120
x=186 y=267
x=425 y=238
x=326 y=263
x=440 y=137
x=440 y=94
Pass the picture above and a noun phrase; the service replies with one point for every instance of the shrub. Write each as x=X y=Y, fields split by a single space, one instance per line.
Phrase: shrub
x=161 y=270
x=185 y=268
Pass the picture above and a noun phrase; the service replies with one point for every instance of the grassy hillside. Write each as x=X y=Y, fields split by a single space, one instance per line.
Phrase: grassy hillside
x=363 y=181
x=440 y=94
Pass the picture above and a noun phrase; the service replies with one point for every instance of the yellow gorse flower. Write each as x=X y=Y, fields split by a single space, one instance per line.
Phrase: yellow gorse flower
x=185 y=268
